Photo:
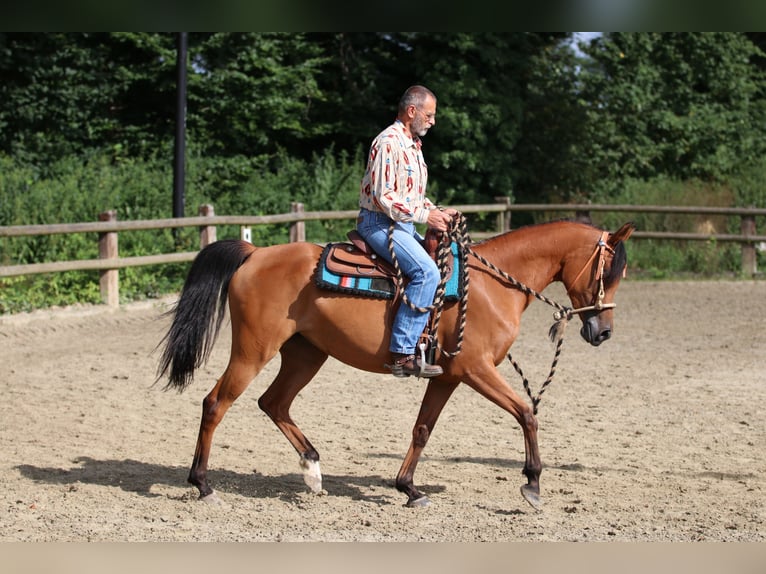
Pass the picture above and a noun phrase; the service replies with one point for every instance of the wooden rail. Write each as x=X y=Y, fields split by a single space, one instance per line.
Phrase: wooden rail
x=109 y=261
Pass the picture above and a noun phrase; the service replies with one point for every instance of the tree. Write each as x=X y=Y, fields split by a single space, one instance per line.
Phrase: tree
x=552 y=163
x=253 y=93
x=686 y=105
x=69 y=93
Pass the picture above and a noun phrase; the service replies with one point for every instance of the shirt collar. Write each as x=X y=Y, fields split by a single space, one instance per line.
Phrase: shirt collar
x=417 y=143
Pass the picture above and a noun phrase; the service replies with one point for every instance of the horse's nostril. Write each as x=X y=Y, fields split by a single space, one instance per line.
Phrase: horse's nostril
x=593 y=335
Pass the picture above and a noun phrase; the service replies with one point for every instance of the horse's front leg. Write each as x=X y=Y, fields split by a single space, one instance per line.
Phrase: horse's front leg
x=533 y=466
x=491 y=384
x=436 y=396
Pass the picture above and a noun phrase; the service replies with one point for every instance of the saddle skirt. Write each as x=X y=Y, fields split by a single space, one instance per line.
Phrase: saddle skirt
x=354 y=268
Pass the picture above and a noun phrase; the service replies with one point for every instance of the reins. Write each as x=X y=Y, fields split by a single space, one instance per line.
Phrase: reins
x=459 y=234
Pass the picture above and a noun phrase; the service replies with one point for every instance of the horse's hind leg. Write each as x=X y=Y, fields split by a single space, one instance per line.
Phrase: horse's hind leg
x=437 y=395
x=231 y=385
x=300 y=362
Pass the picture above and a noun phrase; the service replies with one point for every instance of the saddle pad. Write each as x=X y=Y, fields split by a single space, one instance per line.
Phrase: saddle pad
x=454 y=288
x=378 y=287
x=365 y=286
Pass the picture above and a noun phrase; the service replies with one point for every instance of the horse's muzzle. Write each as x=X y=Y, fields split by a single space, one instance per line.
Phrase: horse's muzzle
x=594 y=333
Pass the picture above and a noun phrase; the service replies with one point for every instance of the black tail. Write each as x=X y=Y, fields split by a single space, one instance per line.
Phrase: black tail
x=199 y=312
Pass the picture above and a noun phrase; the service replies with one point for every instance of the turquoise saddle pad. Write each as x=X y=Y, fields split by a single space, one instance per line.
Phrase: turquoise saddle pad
x=380 y=287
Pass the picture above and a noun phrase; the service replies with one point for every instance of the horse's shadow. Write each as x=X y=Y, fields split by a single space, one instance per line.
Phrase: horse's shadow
x=139 y=477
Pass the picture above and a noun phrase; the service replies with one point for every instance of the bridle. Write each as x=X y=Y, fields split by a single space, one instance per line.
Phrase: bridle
x=562 y=316
x=602 y=247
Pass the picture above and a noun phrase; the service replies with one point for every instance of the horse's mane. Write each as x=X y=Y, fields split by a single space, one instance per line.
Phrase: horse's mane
x=619 y=261
x=540 y=224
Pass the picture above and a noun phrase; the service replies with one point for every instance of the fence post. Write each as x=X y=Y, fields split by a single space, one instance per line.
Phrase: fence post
x=297 y=228
x=749 y=260
x=504 y=217
x=109 y=280
x=207 y=233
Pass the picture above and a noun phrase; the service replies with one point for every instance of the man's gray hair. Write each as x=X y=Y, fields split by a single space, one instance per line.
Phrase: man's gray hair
x=415 y=96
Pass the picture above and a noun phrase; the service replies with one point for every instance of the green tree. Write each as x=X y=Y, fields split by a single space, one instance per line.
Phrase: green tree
x=685 y=105
x=551 y=161
x=77 y=92
x=253 y=93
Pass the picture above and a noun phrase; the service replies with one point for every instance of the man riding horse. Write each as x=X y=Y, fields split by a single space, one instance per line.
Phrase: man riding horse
x=393 y=191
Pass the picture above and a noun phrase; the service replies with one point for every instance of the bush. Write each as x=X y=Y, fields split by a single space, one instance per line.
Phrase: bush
x=78 y=189
x=658 y=259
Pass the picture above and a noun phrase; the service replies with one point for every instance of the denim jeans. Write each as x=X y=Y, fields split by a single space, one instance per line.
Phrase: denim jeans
x=415 y=263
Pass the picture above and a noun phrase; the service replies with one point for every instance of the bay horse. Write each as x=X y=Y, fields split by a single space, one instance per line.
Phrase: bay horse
x=275 y=307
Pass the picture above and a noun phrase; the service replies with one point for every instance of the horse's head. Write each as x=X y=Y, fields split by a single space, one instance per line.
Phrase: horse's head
x=591 y=281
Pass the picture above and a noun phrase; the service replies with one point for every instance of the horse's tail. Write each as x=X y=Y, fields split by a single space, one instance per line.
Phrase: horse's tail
x=199 y=312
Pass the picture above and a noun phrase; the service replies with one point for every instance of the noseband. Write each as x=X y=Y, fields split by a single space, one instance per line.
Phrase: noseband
x=598 y=305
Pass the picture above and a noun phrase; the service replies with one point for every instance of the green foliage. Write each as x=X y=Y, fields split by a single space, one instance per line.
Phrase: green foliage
x=658 y=259
x=70 y=93
x=250 y=93
x=553 y=125
x=748 y=185
x=87 y=123
x=684 y=105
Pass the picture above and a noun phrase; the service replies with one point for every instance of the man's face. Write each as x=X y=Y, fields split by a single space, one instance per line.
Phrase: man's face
x=425 y=117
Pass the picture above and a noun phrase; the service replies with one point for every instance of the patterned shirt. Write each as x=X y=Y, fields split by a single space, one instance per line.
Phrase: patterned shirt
x=396 y=177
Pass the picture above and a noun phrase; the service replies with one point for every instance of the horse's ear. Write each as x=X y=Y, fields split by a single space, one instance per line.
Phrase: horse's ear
x=622 y=234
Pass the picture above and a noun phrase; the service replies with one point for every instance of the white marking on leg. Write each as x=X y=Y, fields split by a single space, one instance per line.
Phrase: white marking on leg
x=213 y=500
x=312 y=475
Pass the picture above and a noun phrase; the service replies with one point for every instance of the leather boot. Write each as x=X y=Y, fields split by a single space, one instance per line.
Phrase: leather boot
x=404 y=365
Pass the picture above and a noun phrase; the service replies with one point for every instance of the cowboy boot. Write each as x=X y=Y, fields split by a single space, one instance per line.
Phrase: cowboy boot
x=404 y=365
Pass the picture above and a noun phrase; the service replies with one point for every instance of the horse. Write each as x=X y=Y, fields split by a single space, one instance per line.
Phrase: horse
x=275 y=306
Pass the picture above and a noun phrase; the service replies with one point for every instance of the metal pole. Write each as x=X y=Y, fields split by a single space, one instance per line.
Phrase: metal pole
x=180 y=142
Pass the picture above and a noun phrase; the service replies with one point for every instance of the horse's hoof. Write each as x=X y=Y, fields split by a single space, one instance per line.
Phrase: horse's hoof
x=312 y=475
x=418 y=502
x=532 y=496
x=211 y=499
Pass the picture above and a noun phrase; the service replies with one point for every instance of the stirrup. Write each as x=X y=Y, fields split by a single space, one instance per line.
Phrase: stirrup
x=407 y=365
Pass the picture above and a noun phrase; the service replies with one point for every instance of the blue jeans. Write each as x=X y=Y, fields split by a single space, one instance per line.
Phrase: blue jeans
x=415 y=263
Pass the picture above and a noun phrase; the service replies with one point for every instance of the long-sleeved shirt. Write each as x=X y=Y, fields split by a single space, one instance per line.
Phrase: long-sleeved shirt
x=396 y=176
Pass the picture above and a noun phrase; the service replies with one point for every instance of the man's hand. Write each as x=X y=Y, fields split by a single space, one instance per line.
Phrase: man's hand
x=440 y=219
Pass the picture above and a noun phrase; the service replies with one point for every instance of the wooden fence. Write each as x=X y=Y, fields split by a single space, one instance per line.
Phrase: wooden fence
x=109 y=261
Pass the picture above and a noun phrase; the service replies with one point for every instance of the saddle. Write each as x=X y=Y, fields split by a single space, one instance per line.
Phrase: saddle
x=357 y=259
x=354 y=268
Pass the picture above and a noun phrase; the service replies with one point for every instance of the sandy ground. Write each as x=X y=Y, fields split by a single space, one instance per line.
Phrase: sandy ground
x=657 y=435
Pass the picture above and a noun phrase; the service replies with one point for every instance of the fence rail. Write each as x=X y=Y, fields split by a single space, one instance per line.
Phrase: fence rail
x=108 y=229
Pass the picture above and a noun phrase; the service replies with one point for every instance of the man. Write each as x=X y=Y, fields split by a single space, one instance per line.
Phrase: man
x=394 y=189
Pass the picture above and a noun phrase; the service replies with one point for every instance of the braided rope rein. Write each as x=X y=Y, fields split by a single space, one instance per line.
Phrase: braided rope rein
x=458 y=233
x=556 y=332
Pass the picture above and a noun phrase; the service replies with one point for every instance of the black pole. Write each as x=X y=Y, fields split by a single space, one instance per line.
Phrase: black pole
x=180 y=143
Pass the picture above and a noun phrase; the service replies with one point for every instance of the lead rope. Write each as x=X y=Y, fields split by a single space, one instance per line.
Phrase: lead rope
x=458 y=233
x=556 y=332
